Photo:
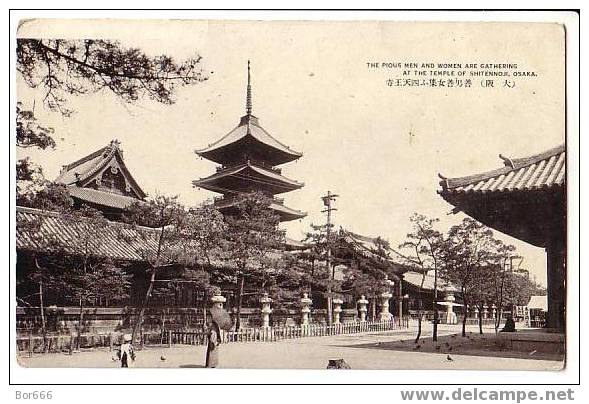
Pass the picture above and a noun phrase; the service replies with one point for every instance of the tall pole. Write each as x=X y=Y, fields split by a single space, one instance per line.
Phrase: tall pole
x=327 y=200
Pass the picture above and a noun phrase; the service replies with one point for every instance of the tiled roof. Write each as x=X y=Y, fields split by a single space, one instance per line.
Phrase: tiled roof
x=295 y=244
x=116 y=241
x=369 y=246
x=249 y=126
x=538 y=302
x=81 y=171
x=109 y=199
x=543 y=170
x=414 y=278
x=248 y=171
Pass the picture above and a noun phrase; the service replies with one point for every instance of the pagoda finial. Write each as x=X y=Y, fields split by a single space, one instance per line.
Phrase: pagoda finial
x=248 y=97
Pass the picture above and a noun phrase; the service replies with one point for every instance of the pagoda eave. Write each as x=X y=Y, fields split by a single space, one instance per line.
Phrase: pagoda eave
x=256 y=150
x=247 y=177
x=286 y=214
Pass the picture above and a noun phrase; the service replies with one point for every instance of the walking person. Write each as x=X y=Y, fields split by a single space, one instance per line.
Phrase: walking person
x=213 y=341
x=126 y=352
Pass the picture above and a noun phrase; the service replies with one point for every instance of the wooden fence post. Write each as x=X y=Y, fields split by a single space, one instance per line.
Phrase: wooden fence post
x=71 y=343
x=30 y=344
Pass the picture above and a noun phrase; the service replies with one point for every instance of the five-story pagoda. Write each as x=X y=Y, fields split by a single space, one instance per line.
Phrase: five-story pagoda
x=248 y=158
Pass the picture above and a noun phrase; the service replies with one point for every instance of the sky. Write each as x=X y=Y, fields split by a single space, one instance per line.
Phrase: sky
x=379 y=147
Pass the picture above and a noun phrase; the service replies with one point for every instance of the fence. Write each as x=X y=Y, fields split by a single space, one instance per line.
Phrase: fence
x=70 y=342
x=272 y=334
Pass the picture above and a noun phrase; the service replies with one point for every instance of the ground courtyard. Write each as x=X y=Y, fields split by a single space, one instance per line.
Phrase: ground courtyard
x=371 y=350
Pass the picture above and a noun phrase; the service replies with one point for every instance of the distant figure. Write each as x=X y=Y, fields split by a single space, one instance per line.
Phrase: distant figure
x=126 y=351
x=337 y=364
x=213 y=341
x=509 y=324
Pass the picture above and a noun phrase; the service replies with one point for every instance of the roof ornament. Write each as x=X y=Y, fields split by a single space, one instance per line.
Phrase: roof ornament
x=248 y=97
x=507 y=161
x=445 y=183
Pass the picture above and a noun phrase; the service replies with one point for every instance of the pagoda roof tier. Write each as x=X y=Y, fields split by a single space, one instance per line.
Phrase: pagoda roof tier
x=247 y=177
x=248 y=140
x=286 y=214
x=89 y=170
x=525 y=199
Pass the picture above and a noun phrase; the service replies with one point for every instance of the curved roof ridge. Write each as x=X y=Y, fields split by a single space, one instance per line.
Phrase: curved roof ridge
x=247 y=122
x=300 y=154
x=211 y=145
x=371 y=240
x=99 y=165
x=70 y=177
x=84 y=159
x=511 y=164
x=526 y=161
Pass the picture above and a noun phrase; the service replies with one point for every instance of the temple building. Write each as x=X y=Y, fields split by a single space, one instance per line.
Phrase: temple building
x=101 y=180
x=248 y=158
x=526 y=199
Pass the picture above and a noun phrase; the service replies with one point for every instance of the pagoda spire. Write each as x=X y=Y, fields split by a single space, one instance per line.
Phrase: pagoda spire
x=248 y=97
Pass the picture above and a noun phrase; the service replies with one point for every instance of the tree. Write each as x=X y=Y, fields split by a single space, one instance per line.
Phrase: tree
x=425 y=245
x=31 y=229
x=367 y=270
x=29 y=134
x=162 y=217
x=500 y=283
x=469 y=245
x=322 y=276
x=484 y=280
x=176 y=236
x=202 y=241
x=49 y=197
x=78 y=271
x=252 y=232
x=64 y=68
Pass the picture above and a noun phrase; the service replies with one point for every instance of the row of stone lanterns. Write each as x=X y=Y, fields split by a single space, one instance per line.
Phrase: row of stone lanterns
x=306 y=304
x=451 y=318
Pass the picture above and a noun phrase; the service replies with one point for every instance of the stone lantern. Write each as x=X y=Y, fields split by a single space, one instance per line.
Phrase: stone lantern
x=337 y=309
x=362 y=304
x=385 y=315
x=384 y=297
x=305 y=309
x=218 y=301
x=266 y=310
x=450 y=315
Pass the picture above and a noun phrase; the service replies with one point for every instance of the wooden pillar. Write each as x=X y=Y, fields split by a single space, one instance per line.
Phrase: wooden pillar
x=556 y=280
x=399 y=300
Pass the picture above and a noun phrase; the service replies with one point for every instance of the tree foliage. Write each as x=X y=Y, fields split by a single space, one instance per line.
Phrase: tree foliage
x=425 y=247
x=64 y=68
x=252 y=235
x=175 y=237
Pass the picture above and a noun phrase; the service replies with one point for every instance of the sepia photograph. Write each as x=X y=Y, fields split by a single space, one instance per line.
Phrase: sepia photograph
x=291 y=194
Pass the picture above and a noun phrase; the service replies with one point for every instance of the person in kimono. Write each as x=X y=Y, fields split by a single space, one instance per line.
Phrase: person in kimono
x=509 y=324
x=126 y=352
x=213 y=341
